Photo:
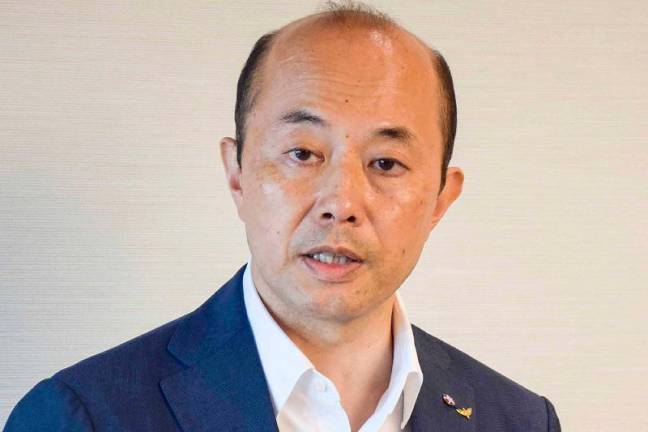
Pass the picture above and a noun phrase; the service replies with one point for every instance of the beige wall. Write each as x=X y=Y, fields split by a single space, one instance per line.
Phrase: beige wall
x=115 y=216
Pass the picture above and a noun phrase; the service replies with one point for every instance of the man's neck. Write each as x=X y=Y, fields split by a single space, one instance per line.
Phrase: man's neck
x=357 y=356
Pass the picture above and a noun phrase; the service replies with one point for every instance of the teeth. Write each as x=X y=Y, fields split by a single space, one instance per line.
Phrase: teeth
x=341 y=259
x=330 y=258
x=325 y=257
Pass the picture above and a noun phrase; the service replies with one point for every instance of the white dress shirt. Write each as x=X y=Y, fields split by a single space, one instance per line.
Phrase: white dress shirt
x=305 y=400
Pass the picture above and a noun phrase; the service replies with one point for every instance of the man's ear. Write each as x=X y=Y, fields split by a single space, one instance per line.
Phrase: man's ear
x=450 y=192
x=232 y=171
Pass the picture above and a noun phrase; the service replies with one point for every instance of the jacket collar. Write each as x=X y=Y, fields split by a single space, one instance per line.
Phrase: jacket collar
x=223 y=386
x=431 y=413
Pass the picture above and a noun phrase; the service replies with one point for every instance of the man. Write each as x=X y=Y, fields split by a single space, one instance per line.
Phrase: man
x=339 y=170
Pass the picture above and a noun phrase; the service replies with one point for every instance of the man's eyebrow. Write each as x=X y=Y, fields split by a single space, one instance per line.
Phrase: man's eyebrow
x=401 y=134
x=302 y=116
x=397 y=133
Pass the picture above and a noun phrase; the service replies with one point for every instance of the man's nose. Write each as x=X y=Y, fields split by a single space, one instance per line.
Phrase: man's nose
x=341 y=194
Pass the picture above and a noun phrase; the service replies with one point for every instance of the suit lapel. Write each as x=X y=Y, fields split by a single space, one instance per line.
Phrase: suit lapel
x=223 y=387
x=431 y=413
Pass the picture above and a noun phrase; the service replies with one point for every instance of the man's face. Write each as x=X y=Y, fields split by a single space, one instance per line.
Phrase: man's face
x=342 y=156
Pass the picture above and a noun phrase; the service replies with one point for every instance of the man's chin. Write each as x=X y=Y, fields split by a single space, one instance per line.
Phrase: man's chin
x=337 y=305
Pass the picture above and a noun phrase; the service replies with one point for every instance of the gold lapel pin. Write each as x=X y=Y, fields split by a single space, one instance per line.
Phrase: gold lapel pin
x=466 y=412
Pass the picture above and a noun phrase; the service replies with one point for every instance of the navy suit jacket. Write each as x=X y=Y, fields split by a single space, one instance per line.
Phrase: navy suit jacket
x=202 y=372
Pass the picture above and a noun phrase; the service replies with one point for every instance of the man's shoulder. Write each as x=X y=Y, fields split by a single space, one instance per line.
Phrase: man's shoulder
x=122 y=388
x=490 y=386
x=138 y=363
x=119 y=386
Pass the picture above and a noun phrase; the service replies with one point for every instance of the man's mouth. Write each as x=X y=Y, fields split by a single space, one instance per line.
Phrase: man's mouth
x=332 y=264
x=331 y=258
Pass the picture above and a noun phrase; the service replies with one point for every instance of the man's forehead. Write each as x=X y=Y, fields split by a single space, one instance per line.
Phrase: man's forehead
x=365 y=53
x=375 y=74
x=316 y=35
x=314 y=32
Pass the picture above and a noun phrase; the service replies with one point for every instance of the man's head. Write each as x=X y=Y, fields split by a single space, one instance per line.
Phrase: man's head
x=345 y=126
x=248 y=85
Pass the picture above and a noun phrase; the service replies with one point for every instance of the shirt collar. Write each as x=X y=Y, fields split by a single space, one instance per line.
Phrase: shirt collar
x=406 y=376
x=284 y=363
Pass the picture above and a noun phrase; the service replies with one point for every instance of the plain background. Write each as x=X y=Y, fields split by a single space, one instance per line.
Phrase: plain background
x=115 y=217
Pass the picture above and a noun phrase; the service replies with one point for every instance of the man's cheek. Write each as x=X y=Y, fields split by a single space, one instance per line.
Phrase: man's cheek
x=277 y=210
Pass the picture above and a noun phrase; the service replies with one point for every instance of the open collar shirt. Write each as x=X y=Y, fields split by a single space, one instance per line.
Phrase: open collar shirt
x=306 y=400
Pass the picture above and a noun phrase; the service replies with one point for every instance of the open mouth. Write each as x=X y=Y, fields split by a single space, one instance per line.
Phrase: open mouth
x=331 y=258
x=329 y=266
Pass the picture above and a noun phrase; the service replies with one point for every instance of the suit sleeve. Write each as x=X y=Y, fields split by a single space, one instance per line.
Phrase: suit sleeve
x=49 y=406
x=553 y=422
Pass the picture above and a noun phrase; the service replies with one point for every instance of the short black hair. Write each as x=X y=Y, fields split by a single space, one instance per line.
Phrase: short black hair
x=245 y=93
x=247 y=88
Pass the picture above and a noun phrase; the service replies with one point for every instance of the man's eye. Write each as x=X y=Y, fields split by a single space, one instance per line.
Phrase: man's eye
x=387 y=165
x=299 y=154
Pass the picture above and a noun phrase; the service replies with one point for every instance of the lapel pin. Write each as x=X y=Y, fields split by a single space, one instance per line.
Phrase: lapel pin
x=466 y=412
x=448 y=400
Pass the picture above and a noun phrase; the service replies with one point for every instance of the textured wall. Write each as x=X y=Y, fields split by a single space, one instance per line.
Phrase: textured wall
x=115 y=218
